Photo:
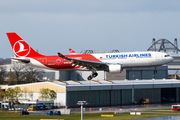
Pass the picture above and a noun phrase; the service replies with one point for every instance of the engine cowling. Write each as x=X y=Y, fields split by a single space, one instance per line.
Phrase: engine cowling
x=114 y=68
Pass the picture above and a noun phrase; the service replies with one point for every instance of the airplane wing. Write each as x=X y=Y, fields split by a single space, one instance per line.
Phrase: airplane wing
x=85 y=63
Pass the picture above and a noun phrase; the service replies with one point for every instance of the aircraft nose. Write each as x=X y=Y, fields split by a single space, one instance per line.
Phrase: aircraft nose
x=171 y=59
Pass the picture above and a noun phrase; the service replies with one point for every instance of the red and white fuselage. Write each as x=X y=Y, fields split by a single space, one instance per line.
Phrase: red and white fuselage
x=55 y=62
x=111 y=62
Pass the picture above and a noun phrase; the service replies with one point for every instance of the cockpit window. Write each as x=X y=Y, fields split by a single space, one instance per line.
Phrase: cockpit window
x=167 y=56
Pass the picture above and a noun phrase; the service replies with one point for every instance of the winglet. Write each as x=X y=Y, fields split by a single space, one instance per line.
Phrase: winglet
x=61 y=55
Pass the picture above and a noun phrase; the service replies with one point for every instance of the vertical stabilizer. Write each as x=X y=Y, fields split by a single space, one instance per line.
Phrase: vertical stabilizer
x=20 y=47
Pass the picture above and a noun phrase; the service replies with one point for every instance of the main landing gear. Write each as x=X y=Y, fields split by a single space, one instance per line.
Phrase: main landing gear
x=94 y=74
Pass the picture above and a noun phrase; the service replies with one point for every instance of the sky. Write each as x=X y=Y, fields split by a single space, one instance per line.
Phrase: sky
x=52 y=26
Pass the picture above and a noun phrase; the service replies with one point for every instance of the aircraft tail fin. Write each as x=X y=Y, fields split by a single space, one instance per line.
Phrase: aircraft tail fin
x=20 y=47
x=72 y=51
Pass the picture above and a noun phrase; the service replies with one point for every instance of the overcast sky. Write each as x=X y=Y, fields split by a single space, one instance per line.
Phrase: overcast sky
x=53 y=26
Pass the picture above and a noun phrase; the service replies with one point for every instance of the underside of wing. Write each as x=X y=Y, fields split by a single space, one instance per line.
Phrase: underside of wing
x=94 y=65
x=85 y=63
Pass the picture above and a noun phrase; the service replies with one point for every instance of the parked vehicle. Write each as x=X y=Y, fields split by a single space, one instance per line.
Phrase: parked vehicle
x=49 y=112
x=42 y=107
x=145 y=101
x=23 y=113
x=175 y=107
x=32 y=107
x=57 y=113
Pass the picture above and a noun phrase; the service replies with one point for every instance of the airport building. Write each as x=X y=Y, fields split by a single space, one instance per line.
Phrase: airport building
x=108 y=92
x=31 y=92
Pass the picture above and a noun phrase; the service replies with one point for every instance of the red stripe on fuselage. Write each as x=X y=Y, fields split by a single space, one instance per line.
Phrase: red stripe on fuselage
x=55 y=62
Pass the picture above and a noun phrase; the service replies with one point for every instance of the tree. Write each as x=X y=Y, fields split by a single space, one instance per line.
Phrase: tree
x=52 y=94
x=2 y=73
x=2 y=94
x=11 y=78
x=46 y=93
x=26 y=73
x=12 y=93
x=17 y=93
x=32 y=74
x=17 y=68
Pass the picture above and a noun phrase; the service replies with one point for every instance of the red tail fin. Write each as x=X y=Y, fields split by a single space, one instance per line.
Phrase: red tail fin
x=71 y=51
x=20 y=47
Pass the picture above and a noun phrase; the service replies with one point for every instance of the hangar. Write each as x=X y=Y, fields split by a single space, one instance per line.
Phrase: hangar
x=126 y=92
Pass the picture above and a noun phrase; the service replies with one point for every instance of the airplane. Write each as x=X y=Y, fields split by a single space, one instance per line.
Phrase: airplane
x=113 y=62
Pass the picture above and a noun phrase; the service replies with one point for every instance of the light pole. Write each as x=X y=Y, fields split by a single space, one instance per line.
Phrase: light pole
x=82 y=103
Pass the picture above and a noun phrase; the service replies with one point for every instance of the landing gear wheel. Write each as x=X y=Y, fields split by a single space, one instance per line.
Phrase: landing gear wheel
x=90 y=77
x=94 y=74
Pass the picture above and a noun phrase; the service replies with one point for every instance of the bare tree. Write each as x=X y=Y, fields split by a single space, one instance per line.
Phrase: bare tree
x=11 y=78
x=22 y=73
x=18 y=71
x=32 y=74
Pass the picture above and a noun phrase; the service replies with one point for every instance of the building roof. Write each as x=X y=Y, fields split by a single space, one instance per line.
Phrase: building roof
x=120 y=82
x=102 y=82
x=71 y=85
x=36 y=87
x=123 y=84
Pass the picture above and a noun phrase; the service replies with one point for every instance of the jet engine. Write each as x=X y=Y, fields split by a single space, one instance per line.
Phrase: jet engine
x=114 y=68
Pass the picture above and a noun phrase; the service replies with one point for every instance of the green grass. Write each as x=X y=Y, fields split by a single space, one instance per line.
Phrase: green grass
x=77 y=116
x=161 y=109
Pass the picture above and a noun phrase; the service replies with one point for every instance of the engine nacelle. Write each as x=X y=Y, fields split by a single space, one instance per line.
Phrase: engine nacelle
x=114 y=68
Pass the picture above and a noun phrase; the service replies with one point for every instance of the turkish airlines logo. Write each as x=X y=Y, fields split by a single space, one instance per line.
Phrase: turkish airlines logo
x=21 y=48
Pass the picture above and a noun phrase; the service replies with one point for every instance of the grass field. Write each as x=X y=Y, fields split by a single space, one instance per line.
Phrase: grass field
x=87 y=116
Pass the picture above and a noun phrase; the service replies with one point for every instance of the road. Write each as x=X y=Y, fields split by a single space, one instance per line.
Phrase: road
x=111 y=109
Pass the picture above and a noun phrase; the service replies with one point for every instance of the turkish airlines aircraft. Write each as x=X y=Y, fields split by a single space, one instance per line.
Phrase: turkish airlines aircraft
x=110 y=62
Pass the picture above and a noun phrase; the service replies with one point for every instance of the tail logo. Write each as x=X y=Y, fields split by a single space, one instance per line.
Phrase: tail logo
x=21 y=49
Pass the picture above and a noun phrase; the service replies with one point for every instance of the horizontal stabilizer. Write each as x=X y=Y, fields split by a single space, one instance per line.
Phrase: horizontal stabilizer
x=22 y=60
